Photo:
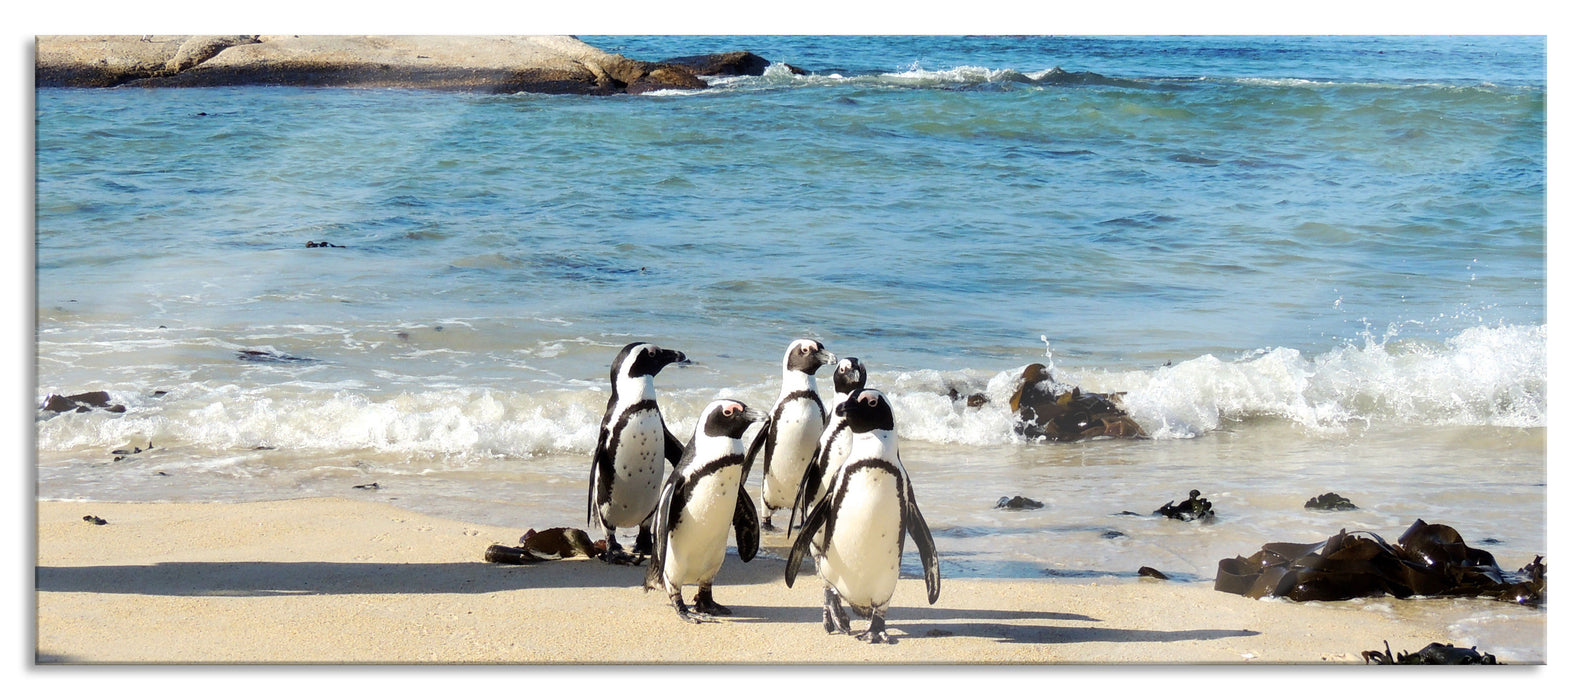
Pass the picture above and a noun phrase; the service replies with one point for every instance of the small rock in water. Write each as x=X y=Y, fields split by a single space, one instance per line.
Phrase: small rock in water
x=974 y=400
x=373 y=485
x=81 y=403
x=1193 y=508
x=323 y=244
x=265 y=356
x=1152 y=573
x=1330 y=501
x=1113 y=534
x=1018 y=503
x=95 y=519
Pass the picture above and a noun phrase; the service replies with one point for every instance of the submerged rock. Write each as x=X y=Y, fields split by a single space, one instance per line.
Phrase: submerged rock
x=1193 y=508
x=729 y=63
x=974 y=399
x=269 y=356
x=1429 y=560
x=1150 y=572
x=1047 y=410
x=1018 y=503
x=1434 y=654
x=81 y=403
x=1330 y=501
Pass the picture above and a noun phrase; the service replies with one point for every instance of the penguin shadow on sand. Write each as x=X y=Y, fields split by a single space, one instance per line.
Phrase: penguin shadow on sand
x=1037 y=627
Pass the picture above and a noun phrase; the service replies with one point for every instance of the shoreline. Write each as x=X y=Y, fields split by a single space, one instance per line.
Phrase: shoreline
x=332 y=580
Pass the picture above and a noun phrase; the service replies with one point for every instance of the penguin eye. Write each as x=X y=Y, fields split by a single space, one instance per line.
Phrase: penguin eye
x=871 y=401
x=652 y=352
x=728 y=411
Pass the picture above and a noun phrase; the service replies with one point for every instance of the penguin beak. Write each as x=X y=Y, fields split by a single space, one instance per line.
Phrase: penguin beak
x=679 y=358
x=840 y=409
x=754 y=415
x=826 y=357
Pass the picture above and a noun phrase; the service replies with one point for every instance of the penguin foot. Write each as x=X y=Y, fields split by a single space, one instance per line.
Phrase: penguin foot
x=768 y=526
x=680 y=606
x=875 y=633
x=621 y=556
x=835 y=620
x=705 y=604
x=876 y=637
x=644 y=544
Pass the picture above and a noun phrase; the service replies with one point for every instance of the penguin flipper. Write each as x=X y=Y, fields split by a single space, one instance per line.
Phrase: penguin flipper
x=746 y=524
x=804 y=539
x=917 y=528
x=811 y=477
x=599 y=477
x=674 y=450
x=666 y=514
x=756 y=445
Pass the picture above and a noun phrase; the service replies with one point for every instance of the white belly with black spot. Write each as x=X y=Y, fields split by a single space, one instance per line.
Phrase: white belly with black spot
x=697 y=542
x=863 y=559
x=639 y=463
x=796 y=439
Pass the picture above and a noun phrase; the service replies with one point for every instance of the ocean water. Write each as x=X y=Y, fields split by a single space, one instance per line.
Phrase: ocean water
x=1311 y=263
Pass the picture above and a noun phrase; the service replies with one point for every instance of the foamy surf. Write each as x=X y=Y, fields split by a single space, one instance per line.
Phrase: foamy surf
x=1483 y=376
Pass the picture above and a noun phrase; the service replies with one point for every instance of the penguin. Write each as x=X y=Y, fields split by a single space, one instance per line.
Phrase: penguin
x=704 y=495
x=790 y=438
x=634 y=444
x=860 y=524
x=850 y=377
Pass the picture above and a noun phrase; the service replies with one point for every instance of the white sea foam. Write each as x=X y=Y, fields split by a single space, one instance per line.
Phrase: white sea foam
x=1494 y=376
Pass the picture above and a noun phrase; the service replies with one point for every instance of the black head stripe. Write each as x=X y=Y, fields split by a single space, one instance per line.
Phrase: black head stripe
x=868 y=410
x=851 y=376
x=620 y=359
x=728 y=419
x=649 y=359
x=803 y=356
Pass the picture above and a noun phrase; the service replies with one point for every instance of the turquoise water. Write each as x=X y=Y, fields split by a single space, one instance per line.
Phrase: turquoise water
x=1311 y=263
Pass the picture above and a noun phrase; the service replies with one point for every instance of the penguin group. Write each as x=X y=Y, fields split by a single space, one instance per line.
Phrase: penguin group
x=837 y=468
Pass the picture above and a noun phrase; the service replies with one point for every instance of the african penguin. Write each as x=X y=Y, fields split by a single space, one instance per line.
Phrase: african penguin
x=850 y=377
x=860 y=524
x=703 y=497
x=629 y=459
x=791 y=437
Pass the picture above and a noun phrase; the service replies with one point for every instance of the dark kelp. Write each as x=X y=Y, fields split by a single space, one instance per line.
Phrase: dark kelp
x=1193 y=508
x=1435 y=654
x=1046 y=410
x=553 y=544
x=1430 y=560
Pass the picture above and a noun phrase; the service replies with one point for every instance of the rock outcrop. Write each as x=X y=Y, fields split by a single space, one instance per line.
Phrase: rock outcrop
x=494 y=64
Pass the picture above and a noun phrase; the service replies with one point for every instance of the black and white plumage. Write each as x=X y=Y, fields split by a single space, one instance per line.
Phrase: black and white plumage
x=702 y=499
x=850 y=377
x=790 y=438
x=861 y=522
x=634 y=444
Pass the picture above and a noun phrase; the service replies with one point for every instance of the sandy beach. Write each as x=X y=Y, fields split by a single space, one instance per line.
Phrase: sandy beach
x=330 y=580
